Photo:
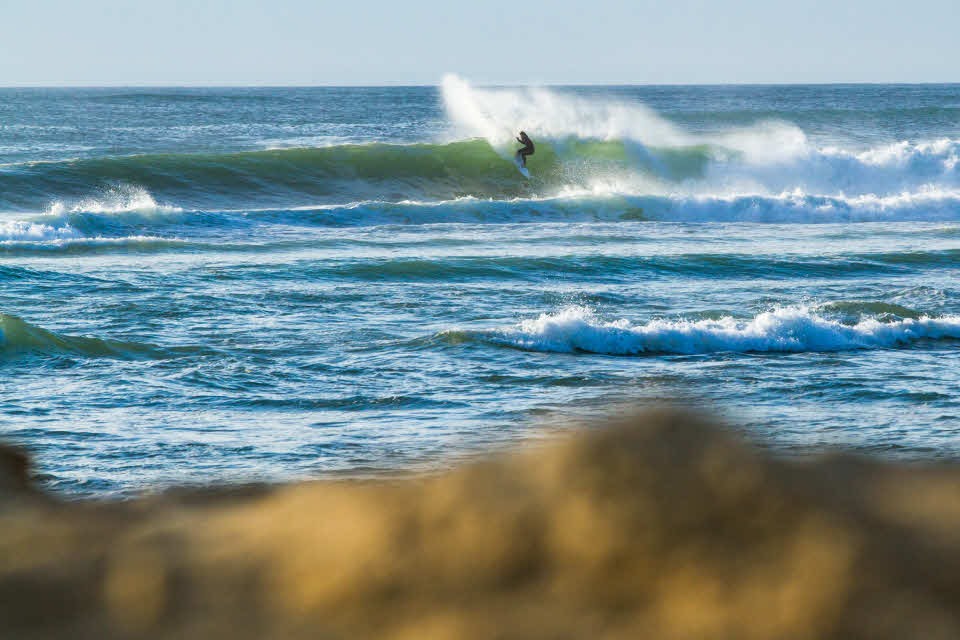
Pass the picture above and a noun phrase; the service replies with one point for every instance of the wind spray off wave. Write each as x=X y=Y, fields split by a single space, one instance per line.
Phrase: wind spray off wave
x=605 y=146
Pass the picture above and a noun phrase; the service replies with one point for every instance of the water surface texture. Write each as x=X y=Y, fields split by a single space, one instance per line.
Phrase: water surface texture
x=230 y=284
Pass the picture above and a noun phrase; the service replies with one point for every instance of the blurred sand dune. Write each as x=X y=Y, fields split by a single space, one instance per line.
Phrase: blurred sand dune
x=661 y=525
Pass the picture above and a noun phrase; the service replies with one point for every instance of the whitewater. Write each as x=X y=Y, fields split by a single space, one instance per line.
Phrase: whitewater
x=202 y=285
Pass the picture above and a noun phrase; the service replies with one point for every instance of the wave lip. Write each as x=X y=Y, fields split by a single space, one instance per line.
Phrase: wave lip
x=788 y=329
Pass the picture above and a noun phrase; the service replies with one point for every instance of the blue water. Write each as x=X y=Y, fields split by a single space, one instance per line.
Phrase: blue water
x=200 y=285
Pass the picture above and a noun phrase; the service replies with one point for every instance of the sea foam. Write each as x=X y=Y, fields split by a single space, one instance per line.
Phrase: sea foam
x=30 y=231
x=117 y=199
x=85 y=222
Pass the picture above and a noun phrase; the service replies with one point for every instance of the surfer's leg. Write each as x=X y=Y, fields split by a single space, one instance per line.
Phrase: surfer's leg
x=523 y=155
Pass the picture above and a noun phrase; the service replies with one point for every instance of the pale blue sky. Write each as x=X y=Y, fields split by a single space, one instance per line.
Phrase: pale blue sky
x=96 y=42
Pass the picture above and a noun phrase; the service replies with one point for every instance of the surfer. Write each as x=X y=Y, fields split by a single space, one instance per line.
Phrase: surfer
x=527 y=149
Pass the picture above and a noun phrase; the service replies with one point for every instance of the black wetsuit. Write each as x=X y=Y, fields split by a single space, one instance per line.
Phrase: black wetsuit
x=527 y=149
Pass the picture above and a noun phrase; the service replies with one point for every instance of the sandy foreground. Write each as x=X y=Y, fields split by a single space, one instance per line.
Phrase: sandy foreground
x=660 y=525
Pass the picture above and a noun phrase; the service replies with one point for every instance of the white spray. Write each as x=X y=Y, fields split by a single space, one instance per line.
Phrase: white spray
x=768 y=159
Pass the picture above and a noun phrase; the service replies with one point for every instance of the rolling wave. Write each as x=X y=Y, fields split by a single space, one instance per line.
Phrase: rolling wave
x=18 y=336
x=821 y=182
x=799 y=329
x=617 y=268
x=392 y=171
x=175 y=229
x=596 y=206
x=68 y=225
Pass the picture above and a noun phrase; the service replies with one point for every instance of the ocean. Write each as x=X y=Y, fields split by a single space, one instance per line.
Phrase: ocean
x=262 y=284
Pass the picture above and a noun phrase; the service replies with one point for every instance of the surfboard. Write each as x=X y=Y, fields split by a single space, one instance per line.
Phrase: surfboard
x=518 y=160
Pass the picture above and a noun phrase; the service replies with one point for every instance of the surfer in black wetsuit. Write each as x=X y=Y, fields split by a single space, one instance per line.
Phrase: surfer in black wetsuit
x=527 y=149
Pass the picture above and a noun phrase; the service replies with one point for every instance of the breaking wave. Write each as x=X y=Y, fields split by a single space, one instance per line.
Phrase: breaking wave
x=475 y=168
x=614 y=160
x=100 y=225
x=795 y=329
x=110 y=221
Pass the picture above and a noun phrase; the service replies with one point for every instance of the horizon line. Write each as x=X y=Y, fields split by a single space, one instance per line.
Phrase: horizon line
x=240 y=85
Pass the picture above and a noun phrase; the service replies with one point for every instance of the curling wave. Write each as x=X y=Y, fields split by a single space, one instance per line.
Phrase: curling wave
x=281 y=176
x=906 y=175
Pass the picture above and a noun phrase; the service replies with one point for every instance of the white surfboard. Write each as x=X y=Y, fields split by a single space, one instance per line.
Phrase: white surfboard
x=518 y=160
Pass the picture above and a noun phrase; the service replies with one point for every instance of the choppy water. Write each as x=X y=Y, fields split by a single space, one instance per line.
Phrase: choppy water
x=210 y=284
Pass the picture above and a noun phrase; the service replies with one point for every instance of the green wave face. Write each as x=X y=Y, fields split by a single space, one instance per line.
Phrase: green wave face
x=671 y=163
x=374 y=171
x=18 y=337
